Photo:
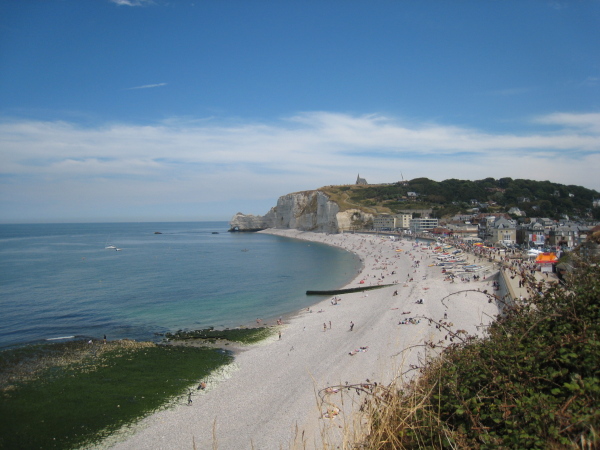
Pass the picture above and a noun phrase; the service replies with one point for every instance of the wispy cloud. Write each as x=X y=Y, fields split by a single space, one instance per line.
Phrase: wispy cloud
x=148 y=86
x=558 y=5
x=179 y=160
x=511 y=91
x=589 y=123
x=132 y=2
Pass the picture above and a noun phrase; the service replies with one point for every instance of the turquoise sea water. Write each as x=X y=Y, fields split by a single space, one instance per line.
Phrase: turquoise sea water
x=59 y=280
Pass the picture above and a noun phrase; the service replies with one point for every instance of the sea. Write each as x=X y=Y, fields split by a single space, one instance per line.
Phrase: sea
x=141 y=280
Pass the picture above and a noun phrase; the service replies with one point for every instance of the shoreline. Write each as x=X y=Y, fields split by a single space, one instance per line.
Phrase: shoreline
x=271 y=400
x=270 y=321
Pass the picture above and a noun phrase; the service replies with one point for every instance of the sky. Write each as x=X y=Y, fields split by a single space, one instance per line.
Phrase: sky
x=175 y=110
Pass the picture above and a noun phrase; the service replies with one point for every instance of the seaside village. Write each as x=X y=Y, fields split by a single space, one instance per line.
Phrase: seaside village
x=509 y=233
x=495 y=229
x=540 y=240
x=511 y=229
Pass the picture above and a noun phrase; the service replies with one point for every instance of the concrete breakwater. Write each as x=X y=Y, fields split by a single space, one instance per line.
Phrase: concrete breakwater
x=347 y=291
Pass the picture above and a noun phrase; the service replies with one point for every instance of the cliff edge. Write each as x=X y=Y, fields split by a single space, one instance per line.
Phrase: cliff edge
x=305 y=211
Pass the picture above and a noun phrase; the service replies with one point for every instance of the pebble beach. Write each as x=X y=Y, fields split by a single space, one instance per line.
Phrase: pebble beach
x=274 y=395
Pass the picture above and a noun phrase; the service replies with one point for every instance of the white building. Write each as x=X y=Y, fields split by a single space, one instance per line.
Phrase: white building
x=389 y=222
x=420 y=225
x=403 y=221
x=384 y=222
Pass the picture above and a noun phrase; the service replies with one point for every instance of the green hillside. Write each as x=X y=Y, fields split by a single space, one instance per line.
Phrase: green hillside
x=449 y=197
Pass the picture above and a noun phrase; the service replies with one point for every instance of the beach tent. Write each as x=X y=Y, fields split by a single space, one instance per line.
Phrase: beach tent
x=546 y=260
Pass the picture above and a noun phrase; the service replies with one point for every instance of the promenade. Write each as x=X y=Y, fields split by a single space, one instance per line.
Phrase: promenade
x=510 y=269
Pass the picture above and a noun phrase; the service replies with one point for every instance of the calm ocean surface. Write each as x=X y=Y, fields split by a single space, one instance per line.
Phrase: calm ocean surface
x=60 y=280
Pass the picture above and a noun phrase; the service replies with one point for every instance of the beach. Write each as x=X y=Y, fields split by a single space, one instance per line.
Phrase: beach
x=269 y=398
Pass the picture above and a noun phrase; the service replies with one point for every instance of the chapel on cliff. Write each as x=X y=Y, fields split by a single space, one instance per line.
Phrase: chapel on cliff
x=360 y=180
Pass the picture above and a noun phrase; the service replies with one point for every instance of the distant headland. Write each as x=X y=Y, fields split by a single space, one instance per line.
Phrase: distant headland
x=389 y=206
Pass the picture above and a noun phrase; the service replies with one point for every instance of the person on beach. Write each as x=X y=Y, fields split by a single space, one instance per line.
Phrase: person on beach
x=280 y=335
x=324 y=326
x=105 y=339
x=351 y=326
x=189 y=398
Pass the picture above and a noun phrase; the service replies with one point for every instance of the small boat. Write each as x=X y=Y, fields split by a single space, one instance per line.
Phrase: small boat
x=109 y=247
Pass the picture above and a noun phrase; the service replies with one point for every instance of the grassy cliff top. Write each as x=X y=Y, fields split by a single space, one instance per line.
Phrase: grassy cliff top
x=351 y=197
x=449 y=197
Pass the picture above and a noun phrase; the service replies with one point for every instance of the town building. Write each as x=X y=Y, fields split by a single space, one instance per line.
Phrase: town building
x=403 y=221
x=516 y=212
x=503 y=231
x=389 y=222
x=465 y=230
x=420 y=225
x=564 y=236
x=532 y=234
x=384 y=222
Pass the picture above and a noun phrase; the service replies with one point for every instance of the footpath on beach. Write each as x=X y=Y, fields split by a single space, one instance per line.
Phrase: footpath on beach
x=275 y=394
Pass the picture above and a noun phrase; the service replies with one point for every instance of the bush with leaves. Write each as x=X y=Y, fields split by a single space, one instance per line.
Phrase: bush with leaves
x=532 y=382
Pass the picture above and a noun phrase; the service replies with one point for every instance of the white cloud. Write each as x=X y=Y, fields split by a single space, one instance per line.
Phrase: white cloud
x=591 y=81
x=148 y=86
x=182 y=161
x=511 y=91
x=589 y=122
x=132 y=2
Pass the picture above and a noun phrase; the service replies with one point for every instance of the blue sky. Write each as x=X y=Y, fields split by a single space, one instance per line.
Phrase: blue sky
x=138 y=110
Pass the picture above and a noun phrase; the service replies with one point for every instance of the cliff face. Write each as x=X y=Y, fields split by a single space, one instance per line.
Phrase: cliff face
x=248 y=222
x=305 y=211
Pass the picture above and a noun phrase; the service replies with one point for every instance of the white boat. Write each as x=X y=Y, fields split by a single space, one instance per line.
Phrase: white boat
x=109 y=247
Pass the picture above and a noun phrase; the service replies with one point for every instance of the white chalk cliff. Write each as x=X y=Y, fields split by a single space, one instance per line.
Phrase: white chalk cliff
x=305 y=211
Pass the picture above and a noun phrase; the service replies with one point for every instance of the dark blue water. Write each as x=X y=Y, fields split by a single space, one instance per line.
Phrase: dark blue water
x=60 y=280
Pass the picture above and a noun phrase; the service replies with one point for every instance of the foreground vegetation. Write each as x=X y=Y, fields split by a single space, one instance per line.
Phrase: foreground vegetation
x=533 y=382
x=72 y=394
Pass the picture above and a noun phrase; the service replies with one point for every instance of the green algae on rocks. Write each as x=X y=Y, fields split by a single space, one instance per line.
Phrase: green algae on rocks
x=74 y=394
x=240 y=335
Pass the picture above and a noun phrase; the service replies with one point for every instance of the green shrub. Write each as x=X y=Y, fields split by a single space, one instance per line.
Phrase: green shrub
x=533 y=382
